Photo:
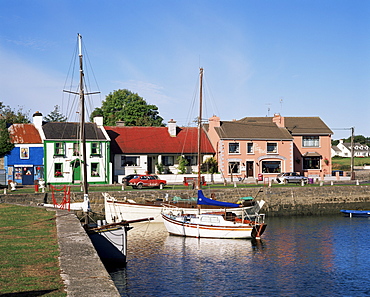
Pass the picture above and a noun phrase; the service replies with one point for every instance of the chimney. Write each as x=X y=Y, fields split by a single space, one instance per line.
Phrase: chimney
x=278 y=120
x=172 y=128
x=120 y=123
x=98 y=120
x=214 y=121
x=37 y=120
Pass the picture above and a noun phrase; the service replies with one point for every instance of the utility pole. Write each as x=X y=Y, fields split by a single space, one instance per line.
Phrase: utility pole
x=352 y=153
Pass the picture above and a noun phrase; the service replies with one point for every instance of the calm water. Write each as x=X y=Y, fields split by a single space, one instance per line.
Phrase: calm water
x=309 y=256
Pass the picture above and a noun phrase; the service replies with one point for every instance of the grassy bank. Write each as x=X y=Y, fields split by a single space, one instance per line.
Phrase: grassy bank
x=29 y=252
x=339 y=163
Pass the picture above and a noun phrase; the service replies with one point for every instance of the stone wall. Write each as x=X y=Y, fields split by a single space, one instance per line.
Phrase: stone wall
x=280 y=201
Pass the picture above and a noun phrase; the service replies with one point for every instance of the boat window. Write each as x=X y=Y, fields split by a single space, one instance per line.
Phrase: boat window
x=206 y=219
x=215 y=220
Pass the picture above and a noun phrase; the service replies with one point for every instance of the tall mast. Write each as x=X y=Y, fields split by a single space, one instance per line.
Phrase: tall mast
x=200 y=124
x=82 y=119
x=82 y=136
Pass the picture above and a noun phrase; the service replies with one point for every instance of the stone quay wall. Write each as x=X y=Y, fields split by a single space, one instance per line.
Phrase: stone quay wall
x=280 y=201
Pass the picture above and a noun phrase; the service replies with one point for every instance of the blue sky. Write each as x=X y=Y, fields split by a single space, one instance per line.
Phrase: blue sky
x=296 y=58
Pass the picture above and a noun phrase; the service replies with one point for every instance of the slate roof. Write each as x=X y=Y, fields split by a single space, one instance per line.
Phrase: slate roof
x=295 y=125
x=24 y=133
x=336 y=149
x=156 y=140
x=70 y=131
x=265 y=130
x=306 y=125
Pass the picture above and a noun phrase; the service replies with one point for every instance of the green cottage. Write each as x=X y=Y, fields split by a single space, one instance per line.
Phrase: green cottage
x=63 y=152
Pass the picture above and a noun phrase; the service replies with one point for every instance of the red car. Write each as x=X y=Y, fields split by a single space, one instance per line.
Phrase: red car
x=140 y=181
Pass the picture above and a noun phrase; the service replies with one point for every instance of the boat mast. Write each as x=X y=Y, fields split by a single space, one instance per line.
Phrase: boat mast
x=82 y=136
x=82 y=120
x=200 y=124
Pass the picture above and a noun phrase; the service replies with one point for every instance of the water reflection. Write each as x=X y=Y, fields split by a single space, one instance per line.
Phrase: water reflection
x=308 y=256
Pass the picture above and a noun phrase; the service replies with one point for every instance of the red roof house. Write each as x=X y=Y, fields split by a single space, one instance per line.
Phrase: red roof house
x=140 y=149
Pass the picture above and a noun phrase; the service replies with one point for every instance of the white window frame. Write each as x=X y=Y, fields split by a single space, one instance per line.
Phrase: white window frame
x=237 y=148
x=275 y=151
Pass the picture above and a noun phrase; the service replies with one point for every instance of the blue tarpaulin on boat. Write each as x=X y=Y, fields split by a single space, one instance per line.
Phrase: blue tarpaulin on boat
x=207 y=201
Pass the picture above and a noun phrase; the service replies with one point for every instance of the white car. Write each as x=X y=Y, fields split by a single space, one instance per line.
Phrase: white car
x=291 y=177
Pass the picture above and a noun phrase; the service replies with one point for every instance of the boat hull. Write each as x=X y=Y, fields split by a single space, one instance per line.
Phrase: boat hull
x=111 y=245
x=117 y=211
x=356 y=213
x=230 y=231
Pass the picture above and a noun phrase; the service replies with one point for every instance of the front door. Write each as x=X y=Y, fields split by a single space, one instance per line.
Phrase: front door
x=150 y=164
x=27 y=176
x=76 y=171
x=250 y=168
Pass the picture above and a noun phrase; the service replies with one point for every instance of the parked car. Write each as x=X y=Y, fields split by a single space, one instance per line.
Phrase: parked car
x=140 y=181
x=126 y=179
x=291 y=177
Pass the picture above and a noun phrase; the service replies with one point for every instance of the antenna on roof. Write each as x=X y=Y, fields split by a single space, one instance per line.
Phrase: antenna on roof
x=268 y=109
x=281 y=105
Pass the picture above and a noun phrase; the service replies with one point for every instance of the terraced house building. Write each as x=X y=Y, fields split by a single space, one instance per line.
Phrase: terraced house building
x=266 y=146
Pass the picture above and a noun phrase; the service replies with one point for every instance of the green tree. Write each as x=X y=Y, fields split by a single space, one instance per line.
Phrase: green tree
x=182 y=164
x=55 y=116
x=133 y=110
x=12 y=116
x=5 y=145
x=210 y=165
x=9 y=116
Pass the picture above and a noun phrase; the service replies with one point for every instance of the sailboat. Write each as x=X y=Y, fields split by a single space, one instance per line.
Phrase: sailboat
x=117 y=211
x=109 y=240
x=224 y=224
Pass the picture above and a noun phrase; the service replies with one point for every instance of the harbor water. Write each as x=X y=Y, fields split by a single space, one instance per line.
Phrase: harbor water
x=297 y=256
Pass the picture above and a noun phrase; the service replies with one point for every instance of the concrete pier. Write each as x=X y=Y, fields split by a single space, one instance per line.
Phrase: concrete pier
x=81 y=268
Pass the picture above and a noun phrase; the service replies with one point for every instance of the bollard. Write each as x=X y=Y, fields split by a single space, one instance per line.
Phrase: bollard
x=123 y=187
x=332 y=183
x=302 y=183
x=234 y=184
x=4 y=191
x=321 y=183
x=357 y=182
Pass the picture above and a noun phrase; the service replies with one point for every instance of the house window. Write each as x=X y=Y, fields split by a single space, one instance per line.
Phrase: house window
x=130 y=161
x=271 y=147
x=76 y=149
x=95 y=169
x=234 y=167
x=271 y=166
x=95 y=148
x=310 y=141
x=311 y=163
x=58 y=170
x=59 y=149
x=192 y=160
x=234 y=148
x=168 y=160
x=250 y=148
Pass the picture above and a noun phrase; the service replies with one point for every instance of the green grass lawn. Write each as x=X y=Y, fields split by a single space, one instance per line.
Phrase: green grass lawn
x=339 y=163
x=29 y=252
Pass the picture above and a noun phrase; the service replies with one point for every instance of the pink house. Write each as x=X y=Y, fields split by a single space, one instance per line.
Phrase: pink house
x=266 y=146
